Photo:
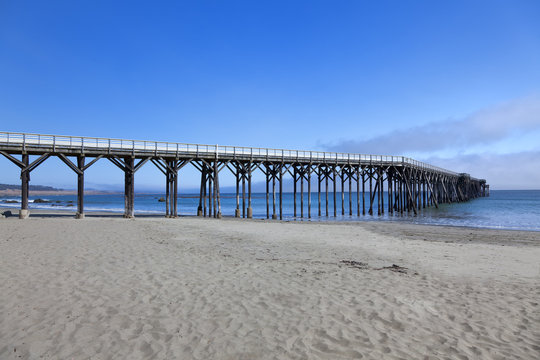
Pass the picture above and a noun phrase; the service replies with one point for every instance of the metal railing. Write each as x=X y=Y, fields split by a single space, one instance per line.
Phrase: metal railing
x=58 y=142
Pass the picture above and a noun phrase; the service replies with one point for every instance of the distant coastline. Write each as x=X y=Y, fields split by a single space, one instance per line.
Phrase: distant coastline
x=13 y=192
x=41 y=190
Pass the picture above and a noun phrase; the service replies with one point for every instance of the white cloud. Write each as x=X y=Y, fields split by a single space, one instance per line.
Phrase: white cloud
x=513 y=171
x=499 y=144
x=484 y=127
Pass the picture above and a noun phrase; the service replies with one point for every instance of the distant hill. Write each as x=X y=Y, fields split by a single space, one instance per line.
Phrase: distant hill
x=31 y=187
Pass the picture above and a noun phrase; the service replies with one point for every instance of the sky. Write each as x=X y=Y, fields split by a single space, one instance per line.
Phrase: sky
x=455 y=84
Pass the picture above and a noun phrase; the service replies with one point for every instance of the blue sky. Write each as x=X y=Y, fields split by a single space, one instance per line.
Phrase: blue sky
x=453 y=83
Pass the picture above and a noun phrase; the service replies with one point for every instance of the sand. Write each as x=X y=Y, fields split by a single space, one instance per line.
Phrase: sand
x=192 y=288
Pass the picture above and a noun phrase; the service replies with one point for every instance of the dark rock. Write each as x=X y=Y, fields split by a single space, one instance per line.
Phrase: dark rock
x=161 y=199
x=10 y=201
x=41 y=201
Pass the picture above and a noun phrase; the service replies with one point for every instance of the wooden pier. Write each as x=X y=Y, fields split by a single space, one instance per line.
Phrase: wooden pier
x=408 y=185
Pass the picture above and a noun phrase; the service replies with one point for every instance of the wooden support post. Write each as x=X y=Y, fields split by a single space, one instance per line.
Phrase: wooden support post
x=350 y=191
x=309 y=190
x=274 y=174
x=412 y=184
x=25 y=179
x=400 y=194
x=281 y=192
x=327 y=172
x=363 y=192
x=175 y=192
x=267 y=168
x=342 y=177
x=170 y=187
x=389 y=180
x=201 y=194
x=411 y=201
x=379 y=191
x=399 y=188
x=419 y=190
x=216 y=189
x=80 y=188
x=294 y=190
x=210 y=193
x=237 y=210
x=358 y=191
x=205 y=195
x=214 y=195
x=129 y=193
x=396 y=194
x=334 y=187
x=243 y=193
x=319 y=187
x=380 y=199
x=250 y=209
x=302 y=192
x=370 y=191
x=167 y=190
x=424 y=197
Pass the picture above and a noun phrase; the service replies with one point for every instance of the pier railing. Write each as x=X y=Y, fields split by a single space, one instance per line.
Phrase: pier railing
x=141 y=147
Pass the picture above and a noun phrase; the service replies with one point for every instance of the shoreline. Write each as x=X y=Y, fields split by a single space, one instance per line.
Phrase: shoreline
x=17 y=192
x=378 y=225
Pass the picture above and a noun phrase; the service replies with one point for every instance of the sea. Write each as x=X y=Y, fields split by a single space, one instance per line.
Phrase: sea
x=503 y=209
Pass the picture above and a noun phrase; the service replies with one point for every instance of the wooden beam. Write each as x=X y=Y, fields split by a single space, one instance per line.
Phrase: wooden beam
x=13 y=159
x=70 y=164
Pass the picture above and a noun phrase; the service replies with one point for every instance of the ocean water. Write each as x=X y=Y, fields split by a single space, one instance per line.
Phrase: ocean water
x=504 y=209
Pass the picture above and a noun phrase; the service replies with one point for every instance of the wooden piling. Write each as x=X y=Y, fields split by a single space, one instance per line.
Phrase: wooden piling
x=309 y=190
x=334 y=180
x=301 y=193
x=294 y=191
x=319 y=172
x=237 y=210
x=326 y=191
x=274 y=215
x=129 y=193
x=281 y=192
x=80 y=187
x=358 y=190
x=250 y=209
x=25 y=179
x=267 y=173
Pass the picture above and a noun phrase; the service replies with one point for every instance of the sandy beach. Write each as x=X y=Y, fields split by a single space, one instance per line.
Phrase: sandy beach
x=193 y=288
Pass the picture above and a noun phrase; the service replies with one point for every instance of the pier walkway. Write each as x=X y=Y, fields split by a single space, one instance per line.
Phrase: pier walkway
x=407 y=184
